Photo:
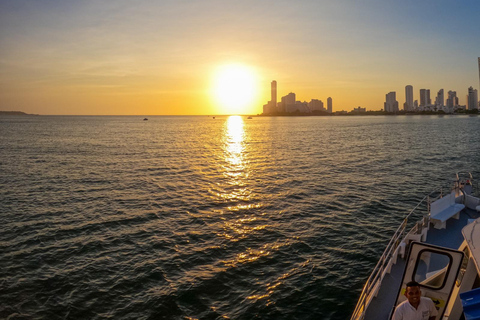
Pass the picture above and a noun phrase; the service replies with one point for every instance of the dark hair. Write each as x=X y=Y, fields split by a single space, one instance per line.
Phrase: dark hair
x=412 y=284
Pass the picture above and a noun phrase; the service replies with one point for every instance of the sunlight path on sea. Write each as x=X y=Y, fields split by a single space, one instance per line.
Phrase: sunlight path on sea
x=246 y=220
x=236 y=172
x=235 y=164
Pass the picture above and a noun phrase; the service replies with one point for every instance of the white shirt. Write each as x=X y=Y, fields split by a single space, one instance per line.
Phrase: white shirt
x=425 y=310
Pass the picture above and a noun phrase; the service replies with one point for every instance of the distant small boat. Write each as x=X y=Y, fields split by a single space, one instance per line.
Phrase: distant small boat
x=249 y=118
x=213 y=117
x=144 y=119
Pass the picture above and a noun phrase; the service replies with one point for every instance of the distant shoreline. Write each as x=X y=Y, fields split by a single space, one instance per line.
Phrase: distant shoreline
x=15 y=113
x=293 y=114
x=367 y=113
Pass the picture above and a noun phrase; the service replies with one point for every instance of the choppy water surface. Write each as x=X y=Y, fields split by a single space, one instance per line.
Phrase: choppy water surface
x=196 y=218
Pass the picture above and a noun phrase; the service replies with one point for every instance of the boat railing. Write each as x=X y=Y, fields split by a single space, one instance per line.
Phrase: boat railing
x=385 y=262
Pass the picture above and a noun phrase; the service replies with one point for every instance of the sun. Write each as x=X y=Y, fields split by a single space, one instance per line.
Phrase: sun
x=235 y=88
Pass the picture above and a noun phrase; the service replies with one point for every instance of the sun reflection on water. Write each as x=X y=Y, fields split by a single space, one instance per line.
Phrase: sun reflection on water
x=234 y=144
x=237 y=190
x=243 y=217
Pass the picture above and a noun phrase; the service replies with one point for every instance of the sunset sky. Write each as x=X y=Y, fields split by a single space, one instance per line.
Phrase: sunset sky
x=162 y=57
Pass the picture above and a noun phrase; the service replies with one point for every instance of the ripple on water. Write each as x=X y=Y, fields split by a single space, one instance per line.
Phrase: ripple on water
x=184 y=217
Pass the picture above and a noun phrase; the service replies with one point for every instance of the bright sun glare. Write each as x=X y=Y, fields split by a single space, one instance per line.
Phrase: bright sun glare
x=235 y=88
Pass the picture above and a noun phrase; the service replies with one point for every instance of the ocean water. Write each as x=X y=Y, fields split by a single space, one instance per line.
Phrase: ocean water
x=201 y=218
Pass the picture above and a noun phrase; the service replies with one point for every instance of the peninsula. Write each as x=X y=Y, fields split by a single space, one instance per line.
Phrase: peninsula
x=15 y=113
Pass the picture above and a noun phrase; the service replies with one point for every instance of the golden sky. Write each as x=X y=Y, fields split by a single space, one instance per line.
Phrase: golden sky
x=146 y=58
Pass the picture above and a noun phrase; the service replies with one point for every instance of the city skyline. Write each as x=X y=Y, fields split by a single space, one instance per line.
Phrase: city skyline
x=450 y=105
x=290 y=104
x=471 y=100
x=162 y=58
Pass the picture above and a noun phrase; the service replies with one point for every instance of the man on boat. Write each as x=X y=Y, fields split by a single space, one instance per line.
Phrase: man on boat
x=416 y=307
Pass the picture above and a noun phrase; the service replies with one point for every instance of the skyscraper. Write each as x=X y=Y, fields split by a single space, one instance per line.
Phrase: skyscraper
x=408 y=106
x=472 y=99
x=316 y=105
x=452 y=100
x=271 y=106
x=425 y=97
x=440 y=100
x=329 y=105
x=478 y=74
x=422 y=97
x=274 y=93
x=391 y=103
x=288 y=102
x=289 y=98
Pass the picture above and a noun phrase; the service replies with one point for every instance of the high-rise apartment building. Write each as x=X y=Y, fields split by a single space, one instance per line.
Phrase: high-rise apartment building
x=472 y=99
x=316 y=105
x=329 y=105
x=408 y=106
x=289 y=98
x=440 y=99
x=452 y=100
x=391 y=103
x=271 y=106
x=479 y=76
x=287 y=103
x=425 y=97
x=274 y=93
x=422 y=97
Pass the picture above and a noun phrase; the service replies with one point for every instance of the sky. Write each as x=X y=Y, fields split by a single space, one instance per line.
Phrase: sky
x=143 y=57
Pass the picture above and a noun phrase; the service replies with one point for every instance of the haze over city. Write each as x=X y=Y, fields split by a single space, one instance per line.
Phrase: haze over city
x=219 y=57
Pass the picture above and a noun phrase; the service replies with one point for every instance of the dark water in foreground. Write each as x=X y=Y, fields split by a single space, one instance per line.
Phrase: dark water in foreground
x=195 y=218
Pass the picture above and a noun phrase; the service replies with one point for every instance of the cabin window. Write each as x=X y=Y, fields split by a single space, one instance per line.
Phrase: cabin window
x=463 y=267
x=431 y=268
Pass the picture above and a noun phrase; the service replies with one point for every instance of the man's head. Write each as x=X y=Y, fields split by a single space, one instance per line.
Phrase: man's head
x=412 y=292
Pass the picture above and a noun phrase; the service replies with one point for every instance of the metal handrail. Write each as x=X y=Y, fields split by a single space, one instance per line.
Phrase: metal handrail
x=377 y=274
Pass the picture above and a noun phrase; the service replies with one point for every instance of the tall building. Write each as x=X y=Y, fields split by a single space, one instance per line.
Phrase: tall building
x=408 y=106
x=287 y=103
x=452 y=100
x=329 y=105
x=422 y=97
x=274 y=93
x=299 y=106
x=391 y=103
x=289 y=98
x=440 y=99
x=472 y=99
x=271 y=106
x=479 y=77
x=316 y=105
x=425 y=97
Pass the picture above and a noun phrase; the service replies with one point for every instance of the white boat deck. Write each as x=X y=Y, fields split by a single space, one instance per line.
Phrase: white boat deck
x=450 y=237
